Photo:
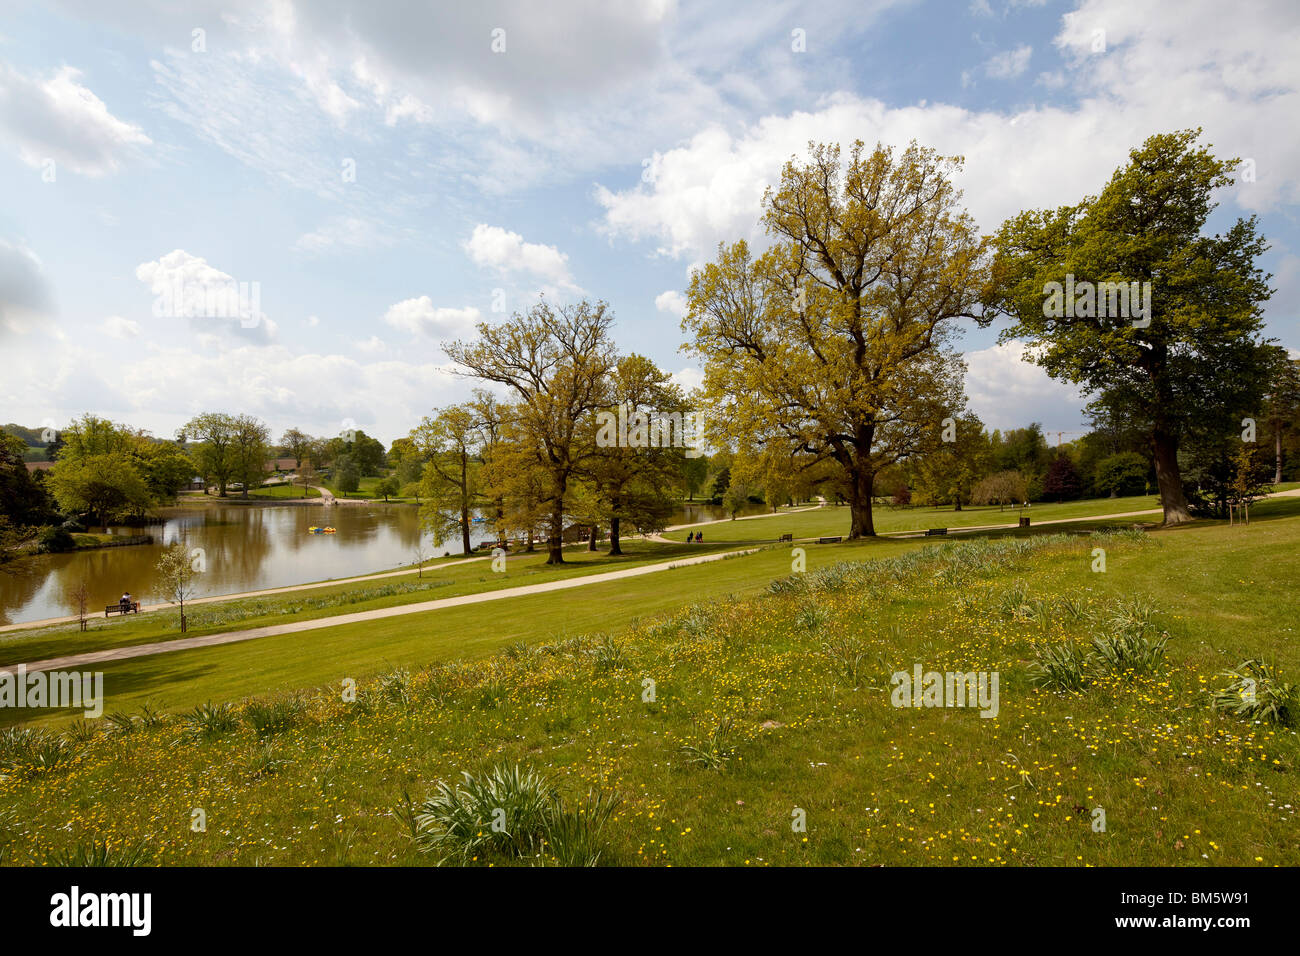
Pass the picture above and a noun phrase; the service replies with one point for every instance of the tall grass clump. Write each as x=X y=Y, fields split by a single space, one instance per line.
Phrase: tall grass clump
x=510 y=813
x=1256 y=691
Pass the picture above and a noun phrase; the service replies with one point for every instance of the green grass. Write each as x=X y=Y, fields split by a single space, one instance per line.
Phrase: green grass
x=282 y=491
x=345 y=597
x=833 y=520
x=755 y=681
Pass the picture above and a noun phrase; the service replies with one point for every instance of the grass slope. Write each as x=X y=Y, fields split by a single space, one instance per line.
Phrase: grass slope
x=786 y=693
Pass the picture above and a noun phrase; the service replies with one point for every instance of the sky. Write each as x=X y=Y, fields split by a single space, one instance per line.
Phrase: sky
x=380 y=177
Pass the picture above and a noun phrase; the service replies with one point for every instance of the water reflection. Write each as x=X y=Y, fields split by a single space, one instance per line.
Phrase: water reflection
x=247 y=548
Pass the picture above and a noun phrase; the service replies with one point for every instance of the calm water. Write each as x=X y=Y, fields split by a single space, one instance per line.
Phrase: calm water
x=246 y=547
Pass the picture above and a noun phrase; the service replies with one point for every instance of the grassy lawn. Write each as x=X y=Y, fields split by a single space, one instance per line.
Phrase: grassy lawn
x=282 y=491
x=786 y=693
x=833 y=520
x=345 y=597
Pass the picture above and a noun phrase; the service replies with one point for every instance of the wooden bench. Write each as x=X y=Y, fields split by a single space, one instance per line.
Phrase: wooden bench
x=787 y=537
x=934 y=531
x=119 y=608
x=835 y=540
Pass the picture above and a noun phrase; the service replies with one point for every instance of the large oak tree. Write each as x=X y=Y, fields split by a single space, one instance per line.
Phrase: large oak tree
x=830 y=347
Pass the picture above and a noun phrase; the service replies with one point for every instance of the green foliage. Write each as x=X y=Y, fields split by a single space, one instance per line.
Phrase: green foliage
x=26 y=752
x=503 y=813
x=268 y=718
x=715 y=750
x=1060 y=667
x=1121 y=475
x=1256 y=691
x=347 y=476
x=55 y=539
x=209 y=721
x=1182 y=353
x=848 y=656
x=102 y=853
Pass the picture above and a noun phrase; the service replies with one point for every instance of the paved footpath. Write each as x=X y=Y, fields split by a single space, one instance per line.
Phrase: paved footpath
x=72 y=661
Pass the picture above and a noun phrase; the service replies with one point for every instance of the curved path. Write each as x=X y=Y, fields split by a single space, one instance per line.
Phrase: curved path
x=294 y=627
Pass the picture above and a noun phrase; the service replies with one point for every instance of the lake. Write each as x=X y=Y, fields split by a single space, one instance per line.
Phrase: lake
x=246 y=548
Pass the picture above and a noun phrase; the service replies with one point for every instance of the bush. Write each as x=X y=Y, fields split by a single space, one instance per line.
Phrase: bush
x=55 y=539
x=1122 y=475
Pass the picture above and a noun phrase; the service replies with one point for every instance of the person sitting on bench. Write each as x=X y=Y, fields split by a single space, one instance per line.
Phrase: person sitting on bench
x=126 y=603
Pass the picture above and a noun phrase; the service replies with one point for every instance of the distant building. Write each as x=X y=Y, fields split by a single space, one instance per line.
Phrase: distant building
x=39 y=465
x=282 y=464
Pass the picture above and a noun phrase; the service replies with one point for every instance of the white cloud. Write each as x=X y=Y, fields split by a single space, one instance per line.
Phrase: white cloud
x=688 y=378
x=420 y=317
x=186 y=286
x=506 y=252
x=57 y=118
x=1008 y=392
x=1162 y=70
x=370 y=346
x=672 y=302
x=25 y=297
x=1010 y=63
x=119 y=328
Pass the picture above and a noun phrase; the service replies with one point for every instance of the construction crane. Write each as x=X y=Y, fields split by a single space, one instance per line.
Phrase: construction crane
x=1059 y=434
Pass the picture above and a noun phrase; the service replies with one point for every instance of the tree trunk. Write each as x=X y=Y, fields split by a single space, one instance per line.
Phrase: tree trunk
x=860 y=488
x=464 y=529
x=1277 y=444
x=613 y=535
x=1172 y=500
x=591 y=541
x=529 y=549
x=555 y=544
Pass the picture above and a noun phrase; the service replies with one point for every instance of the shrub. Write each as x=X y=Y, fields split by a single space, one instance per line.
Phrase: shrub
x=55 y=539
x=608 y=656
x=265 y=761
x=575 y=838
x=1121 y=475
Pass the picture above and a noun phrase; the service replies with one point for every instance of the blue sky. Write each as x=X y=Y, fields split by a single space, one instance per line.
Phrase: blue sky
x=603 y=152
